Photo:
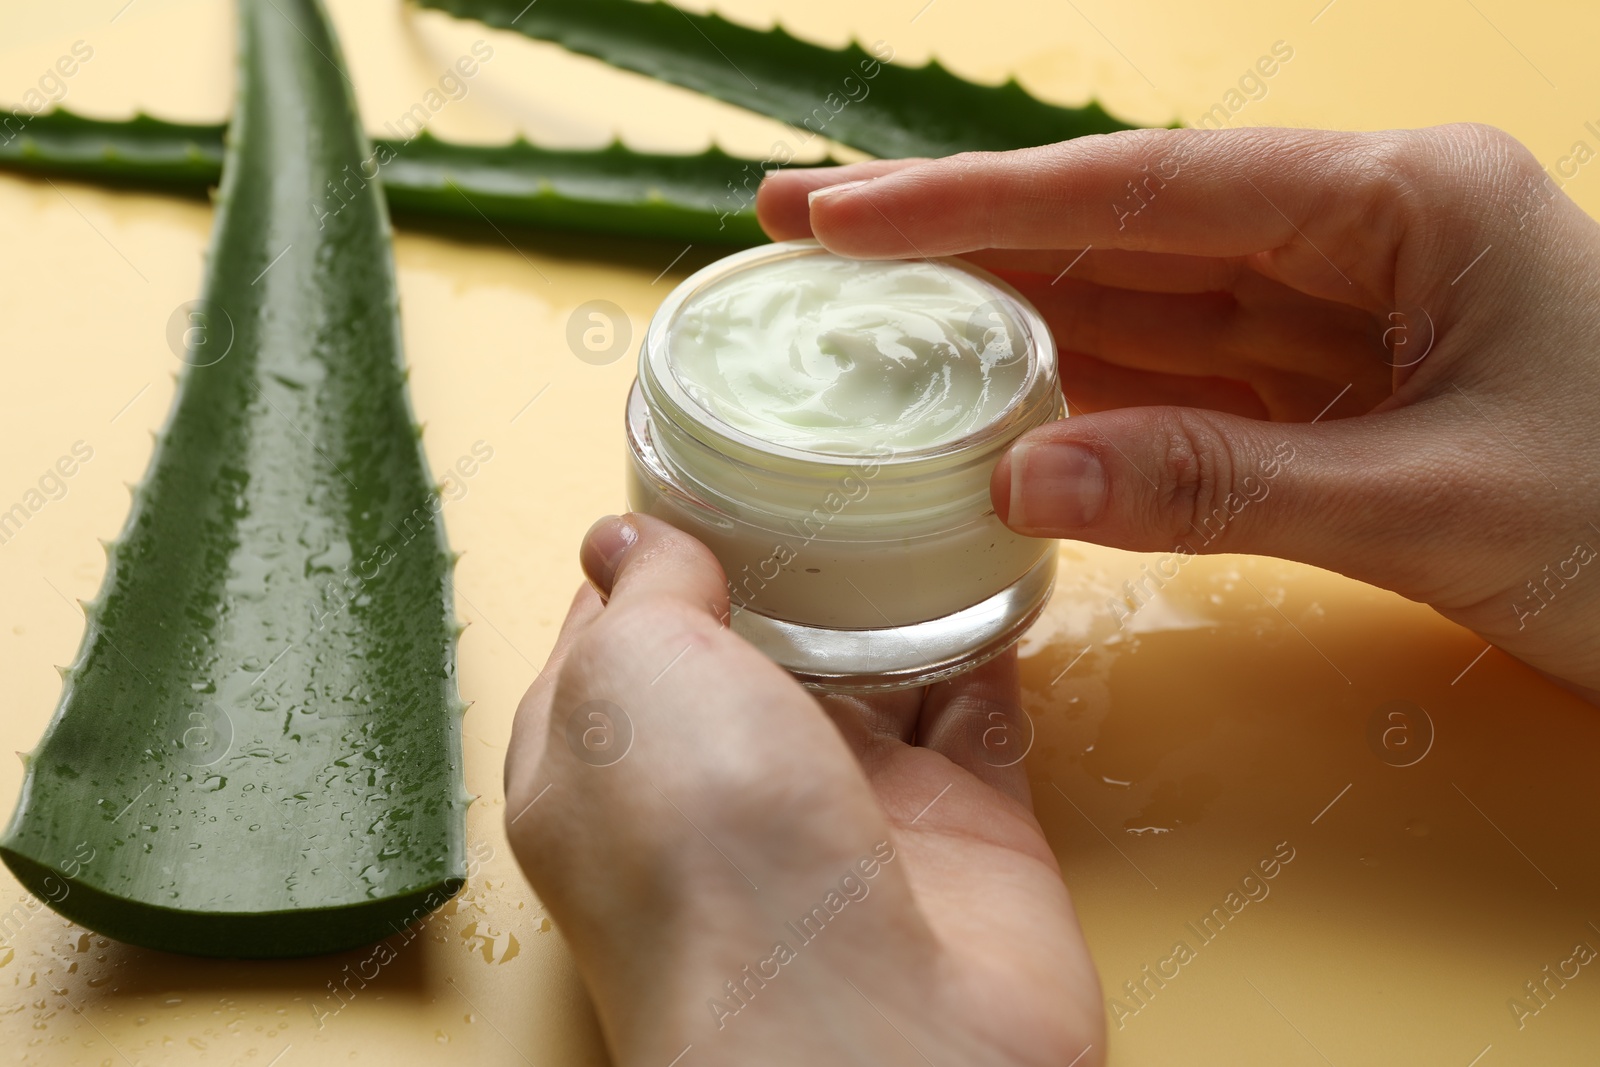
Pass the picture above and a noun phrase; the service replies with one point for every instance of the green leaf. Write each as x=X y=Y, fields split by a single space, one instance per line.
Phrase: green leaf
x=706 y=198
x=850 y=94
x=258 y=748
x=138 y=151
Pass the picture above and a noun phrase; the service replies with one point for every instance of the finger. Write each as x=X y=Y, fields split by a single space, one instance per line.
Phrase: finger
x=1341 y=495
x=1155 y=272
x=781 y=200
x=1326 y=211
x=636 y=557
x=977 y=722
x=600 y=550
x=1090 y=384
x=530 y=724
x=872 y=722
x=1211 y=333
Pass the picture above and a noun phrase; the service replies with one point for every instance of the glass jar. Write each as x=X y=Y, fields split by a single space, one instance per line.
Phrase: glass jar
x=874 y=569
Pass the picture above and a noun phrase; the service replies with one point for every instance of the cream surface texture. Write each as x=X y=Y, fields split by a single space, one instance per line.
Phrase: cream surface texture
x=834 y=355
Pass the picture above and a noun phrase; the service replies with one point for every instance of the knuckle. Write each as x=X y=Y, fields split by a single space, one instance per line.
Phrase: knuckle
x=1491 y=146
x=1394 y=177
x=1445 y=157
x=633 y=634
x=743 y=794
x=1133 y=147
x=1393 y=194
x=1196 y=486
x=1394 y=163
x=1453 y=170
x=1124 y=142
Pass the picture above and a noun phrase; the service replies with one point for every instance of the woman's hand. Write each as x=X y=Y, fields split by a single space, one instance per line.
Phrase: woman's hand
x=1417 y=313
x=775 y=879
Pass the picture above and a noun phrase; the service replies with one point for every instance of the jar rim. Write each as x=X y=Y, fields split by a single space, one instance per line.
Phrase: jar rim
x=698 y=420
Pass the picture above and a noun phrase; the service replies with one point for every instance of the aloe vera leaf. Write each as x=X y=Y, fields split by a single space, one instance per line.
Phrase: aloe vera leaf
x=140 y=150
x=846 y=94
x=258 y=748
x=705 y=198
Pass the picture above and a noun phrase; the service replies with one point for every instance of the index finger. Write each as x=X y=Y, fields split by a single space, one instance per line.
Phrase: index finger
x=1330 y=209
x=781 y=204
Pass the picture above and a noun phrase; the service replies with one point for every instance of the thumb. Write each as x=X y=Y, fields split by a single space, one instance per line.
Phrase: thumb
x=1350 y=496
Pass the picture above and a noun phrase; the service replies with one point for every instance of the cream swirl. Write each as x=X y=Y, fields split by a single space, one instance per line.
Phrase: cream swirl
x=835 y=355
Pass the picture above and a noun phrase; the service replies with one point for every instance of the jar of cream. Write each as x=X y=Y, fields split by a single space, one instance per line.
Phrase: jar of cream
x=828 y=427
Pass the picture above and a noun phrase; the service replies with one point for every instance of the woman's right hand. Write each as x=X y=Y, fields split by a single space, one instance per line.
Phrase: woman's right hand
x=1376 y=353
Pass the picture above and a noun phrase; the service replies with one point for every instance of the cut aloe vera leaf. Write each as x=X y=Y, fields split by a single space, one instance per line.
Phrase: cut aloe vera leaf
x=258 y=748
x=705 y=198
x=848 y=94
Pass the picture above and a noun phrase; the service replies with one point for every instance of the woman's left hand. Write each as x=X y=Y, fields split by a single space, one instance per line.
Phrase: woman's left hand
x=771 y=878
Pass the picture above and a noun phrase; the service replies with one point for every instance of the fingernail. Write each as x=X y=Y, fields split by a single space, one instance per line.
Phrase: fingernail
x=1055 y=485
x=607 y=541
x=829 y=191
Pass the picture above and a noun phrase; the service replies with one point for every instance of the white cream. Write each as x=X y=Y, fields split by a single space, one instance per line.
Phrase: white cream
x=836 y=355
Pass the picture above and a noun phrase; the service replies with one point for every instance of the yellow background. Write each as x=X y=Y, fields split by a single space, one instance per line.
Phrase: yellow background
x=1416 y=905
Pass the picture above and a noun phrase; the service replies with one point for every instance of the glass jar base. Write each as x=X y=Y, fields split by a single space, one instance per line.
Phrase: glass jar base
x=901 y=657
